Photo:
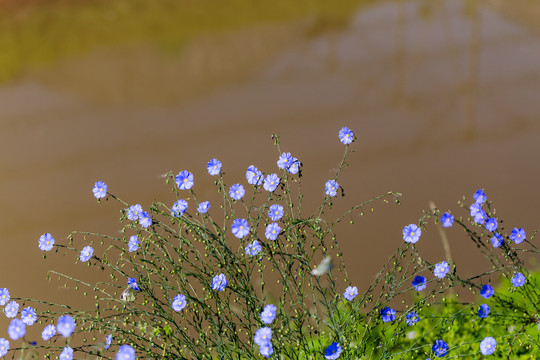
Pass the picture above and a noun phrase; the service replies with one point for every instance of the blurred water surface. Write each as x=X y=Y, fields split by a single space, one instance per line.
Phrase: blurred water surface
x=443 y=97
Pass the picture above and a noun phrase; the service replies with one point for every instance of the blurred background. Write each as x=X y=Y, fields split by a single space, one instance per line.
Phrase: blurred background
x=443 y=96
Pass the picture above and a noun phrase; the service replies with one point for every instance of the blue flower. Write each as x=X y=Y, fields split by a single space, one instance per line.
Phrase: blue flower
x=4 y=296
x=411 y=318
x=108 y=341
x=518 y=235
x=65 y=325
x=268 y=314
x=487 y=291
x=483 y=311
x=518 y=280
x=145 y=220
x=332 y=351
x=331 y=187
x=271 y=182
x=419 y=283
x=285 y=160
x=66 y=354
x=253 y=248
x=275 y=212
x=16 y=329
x=179 y=208
x=266 y=350
x=134 y=211
x=213 y=167
x=440 y=348
x=496 y=240
x=263 y=336
x=203 y=207
x=479 y=196
x=346 y=136
x=100 y=190
x=388 y=314
x=294 y=167
x=475 y=208
x=350 y=293
x=125 y=352
x=447 y=220
x=179 y=302
x=28 y=316
x=480 y=217
x=48 y=332
x=184 y=180
x=11 y=309
x=441 y=269
x=4 y=347
x=86 y=253
x=487 y=346
x=491 y=224
x=133 y=244
x=219 y=282
x=46 y=242
x=272 y=231
x=237 y=191
x=254 y=176
x=240 y=228
x=132 y=283
x=411 y=233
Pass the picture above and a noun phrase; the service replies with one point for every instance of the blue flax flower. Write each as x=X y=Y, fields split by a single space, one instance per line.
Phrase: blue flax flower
x=333 y=351
x=518 y=280
x=203 y=207
x=487 y=346
x=145 y=220
x=440 y=348
x=411 y=233
x=125 y=352
x=100 y=190
x=475 y=209
x=441 y=269
x=48 y=332
x=419 y=283
x=28 y=316
x=350 y=293
x=213 y=167
x=275 y=212
x=179 y=302
x=346 y=136
x=480 y=217
x=271 y=182
x=518 y=235
x=4 y=296
x=237 y=191
x=46 y=242
x=11 y=309
x=4 y=347
x=487 y=291
x=411 y=318
x=134 y=211
x=447 y=220
x=268 y=314
x=254 y=176
x=294 y=167
x=184 y=180
x=331 y=187
x=240 y=228
x=16 y=329
x=132 y=283
x=491 y=224
x=479 y=196
x=66 y=354
x=65 y=325
x=266 y=349
x=483 y=311
x=179 y=208
x=86 y=253
x=108 y=341
x=388 y=314
x=272 y=231
x=219 y=282
x=133 y=244
x=285 y=160
x=263 y=336
x=496 y=240
x=253 y=248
